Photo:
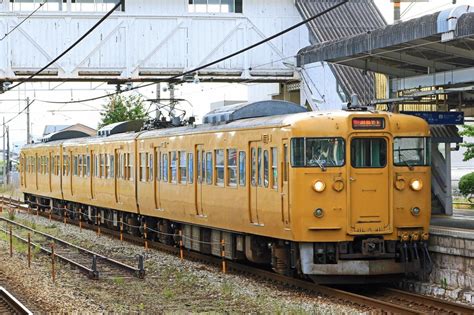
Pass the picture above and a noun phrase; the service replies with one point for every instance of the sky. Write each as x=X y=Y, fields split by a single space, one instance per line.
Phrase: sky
x=199 y=96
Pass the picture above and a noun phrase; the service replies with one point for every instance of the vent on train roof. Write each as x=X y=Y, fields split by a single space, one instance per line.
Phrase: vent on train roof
x=120 y=127
x=64 y=135
x=230 y=113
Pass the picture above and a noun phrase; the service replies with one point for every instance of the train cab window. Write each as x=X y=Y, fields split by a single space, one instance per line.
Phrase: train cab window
x=253 y=167
x=274 y=168
x=209 y=177
x=182 y=167
x=174 y=166
x=232 y=167
x=413 y=151
x=150 y=166
x=265 y=168
x=317 y=152
x=219 y=167
x=259 y=167
x=242 y=168
x=111 y=166
x=190 y=168
x=368 y=152
x=164 y=168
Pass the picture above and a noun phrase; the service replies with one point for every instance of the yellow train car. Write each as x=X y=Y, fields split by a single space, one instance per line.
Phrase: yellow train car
x=337 y=196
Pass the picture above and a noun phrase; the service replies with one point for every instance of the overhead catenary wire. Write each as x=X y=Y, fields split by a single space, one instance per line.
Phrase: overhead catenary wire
x=24 y=20
x=194 y=70
x=61 y=55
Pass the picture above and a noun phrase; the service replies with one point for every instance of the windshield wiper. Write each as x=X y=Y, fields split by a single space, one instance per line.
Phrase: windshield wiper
x=321 y=166
x=403 y=159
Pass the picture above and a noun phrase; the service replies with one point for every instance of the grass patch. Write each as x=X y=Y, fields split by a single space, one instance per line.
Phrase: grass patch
x=167 y=293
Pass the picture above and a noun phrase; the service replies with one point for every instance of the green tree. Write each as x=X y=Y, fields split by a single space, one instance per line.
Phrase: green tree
x=468 y=132
x=122 y=108
x=466 y=185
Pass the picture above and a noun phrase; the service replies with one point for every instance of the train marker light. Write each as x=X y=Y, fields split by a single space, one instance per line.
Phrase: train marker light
x=318 y=213
x=416 y=184
x=319 y=186
x=425 y=236
x=415 y=211
x=338 y=185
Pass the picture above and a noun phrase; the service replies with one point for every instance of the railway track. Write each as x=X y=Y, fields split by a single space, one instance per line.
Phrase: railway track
x=392 y=301
x=10 y=305
x=91 y=263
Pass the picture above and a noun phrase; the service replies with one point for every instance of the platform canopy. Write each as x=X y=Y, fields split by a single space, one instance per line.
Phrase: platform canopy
x=435 y=50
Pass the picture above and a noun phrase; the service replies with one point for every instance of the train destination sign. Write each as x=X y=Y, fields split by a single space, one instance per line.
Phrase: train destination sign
x=440 y=118
x=368 y=123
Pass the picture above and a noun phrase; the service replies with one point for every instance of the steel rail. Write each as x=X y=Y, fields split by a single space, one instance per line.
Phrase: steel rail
x=136 y=271
x=10 y=305
x=443 y=305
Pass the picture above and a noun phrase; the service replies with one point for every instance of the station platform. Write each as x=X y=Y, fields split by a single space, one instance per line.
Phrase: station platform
x=461 y=219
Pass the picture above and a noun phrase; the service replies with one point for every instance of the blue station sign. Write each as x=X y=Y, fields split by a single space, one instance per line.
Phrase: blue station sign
x=440 y=118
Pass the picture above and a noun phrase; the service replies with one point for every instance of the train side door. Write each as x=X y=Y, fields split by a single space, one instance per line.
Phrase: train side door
x=92 y=170
x=36 y=170
x=199 y=153
x=49 y=171
x=285 y=183
x=255 y=179
x=117 y=174
x=158 y=176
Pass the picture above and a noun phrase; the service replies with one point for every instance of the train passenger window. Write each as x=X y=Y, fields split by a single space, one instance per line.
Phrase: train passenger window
x=274 y=168
x=142 y=167
x=259 y=167
x=75 y=165
x=174 y=170
x=203 y=166
x=254 y=167
x=209 y=168
x=80 y=166
x=219 y=167
x=368 y=152
x=285 y=162
x=107 y=166
x=96 y=164
x=150 y=167
x=413 y=151
x=165 y=167
x=53 y=167
x=84 y=166
x=88 y=166
x=190 y=168
x=265 y=168
x=111 y=166
x=200 y=167
x=130 y=159
x=242 y=168
x=232 y=167
x=182 y=167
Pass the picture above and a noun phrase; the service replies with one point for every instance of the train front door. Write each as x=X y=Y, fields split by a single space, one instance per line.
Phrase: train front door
x=285 y=187
x=369 y=209
x=199 y=152
x=255 y=179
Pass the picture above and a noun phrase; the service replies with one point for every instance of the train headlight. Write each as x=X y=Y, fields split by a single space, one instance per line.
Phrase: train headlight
x=319 y=186
x=318 y=213
x=415 y=211
x=416 y=184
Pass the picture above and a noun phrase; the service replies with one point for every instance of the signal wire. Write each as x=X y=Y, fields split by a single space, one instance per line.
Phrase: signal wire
x=24 y=20
x=217 y=60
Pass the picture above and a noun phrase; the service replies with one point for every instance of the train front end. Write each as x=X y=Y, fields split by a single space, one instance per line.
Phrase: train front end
x=361 y=197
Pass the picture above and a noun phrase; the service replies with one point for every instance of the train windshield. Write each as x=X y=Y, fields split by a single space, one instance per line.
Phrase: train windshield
x=317 y=152
x=411 y=151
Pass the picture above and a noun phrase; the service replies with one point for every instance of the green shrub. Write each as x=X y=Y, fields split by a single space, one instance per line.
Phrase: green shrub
x=466 y=185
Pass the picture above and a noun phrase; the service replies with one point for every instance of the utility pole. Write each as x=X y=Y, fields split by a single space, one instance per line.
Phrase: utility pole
x=157 y=103
x=28 y=134
x=8 y=155
x=396 y=11
x=4 y=159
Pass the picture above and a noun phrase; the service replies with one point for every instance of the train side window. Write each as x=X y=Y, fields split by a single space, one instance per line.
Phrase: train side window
x=165 y=167
x=88 y=165
x=200 y=168
x=182 y=167
x=174 y=170
x=96 y=164
x=219 y=165
x=158 y=166
x=209 y=168
x=80 y=166
x=150 y=166
x=285 y=162
x=259 y=167
x=107 y=166
x=75 y=165
x=274 y=168
x=47 y=165
x=203 y=166
x=53 y=166
x=232 y=167
x=84 y=166
x=190 y=168
x=130 y=166
x=142 y=167
x=111 y=166
x=242 y=168
x=265 y=169
x=254 y=167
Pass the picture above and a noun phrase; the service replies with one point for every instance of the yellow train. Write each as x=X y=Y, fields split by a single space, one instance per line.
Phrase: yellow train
x=336 y=196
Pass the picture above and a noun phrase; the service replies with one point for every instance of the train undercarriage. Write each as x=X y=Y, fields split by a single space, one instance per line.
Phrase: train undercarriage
x=365 y=259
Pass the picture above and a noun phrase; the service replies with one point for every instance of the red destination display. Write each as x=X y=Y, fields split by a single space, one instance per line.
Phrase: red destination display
x=368 y=123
